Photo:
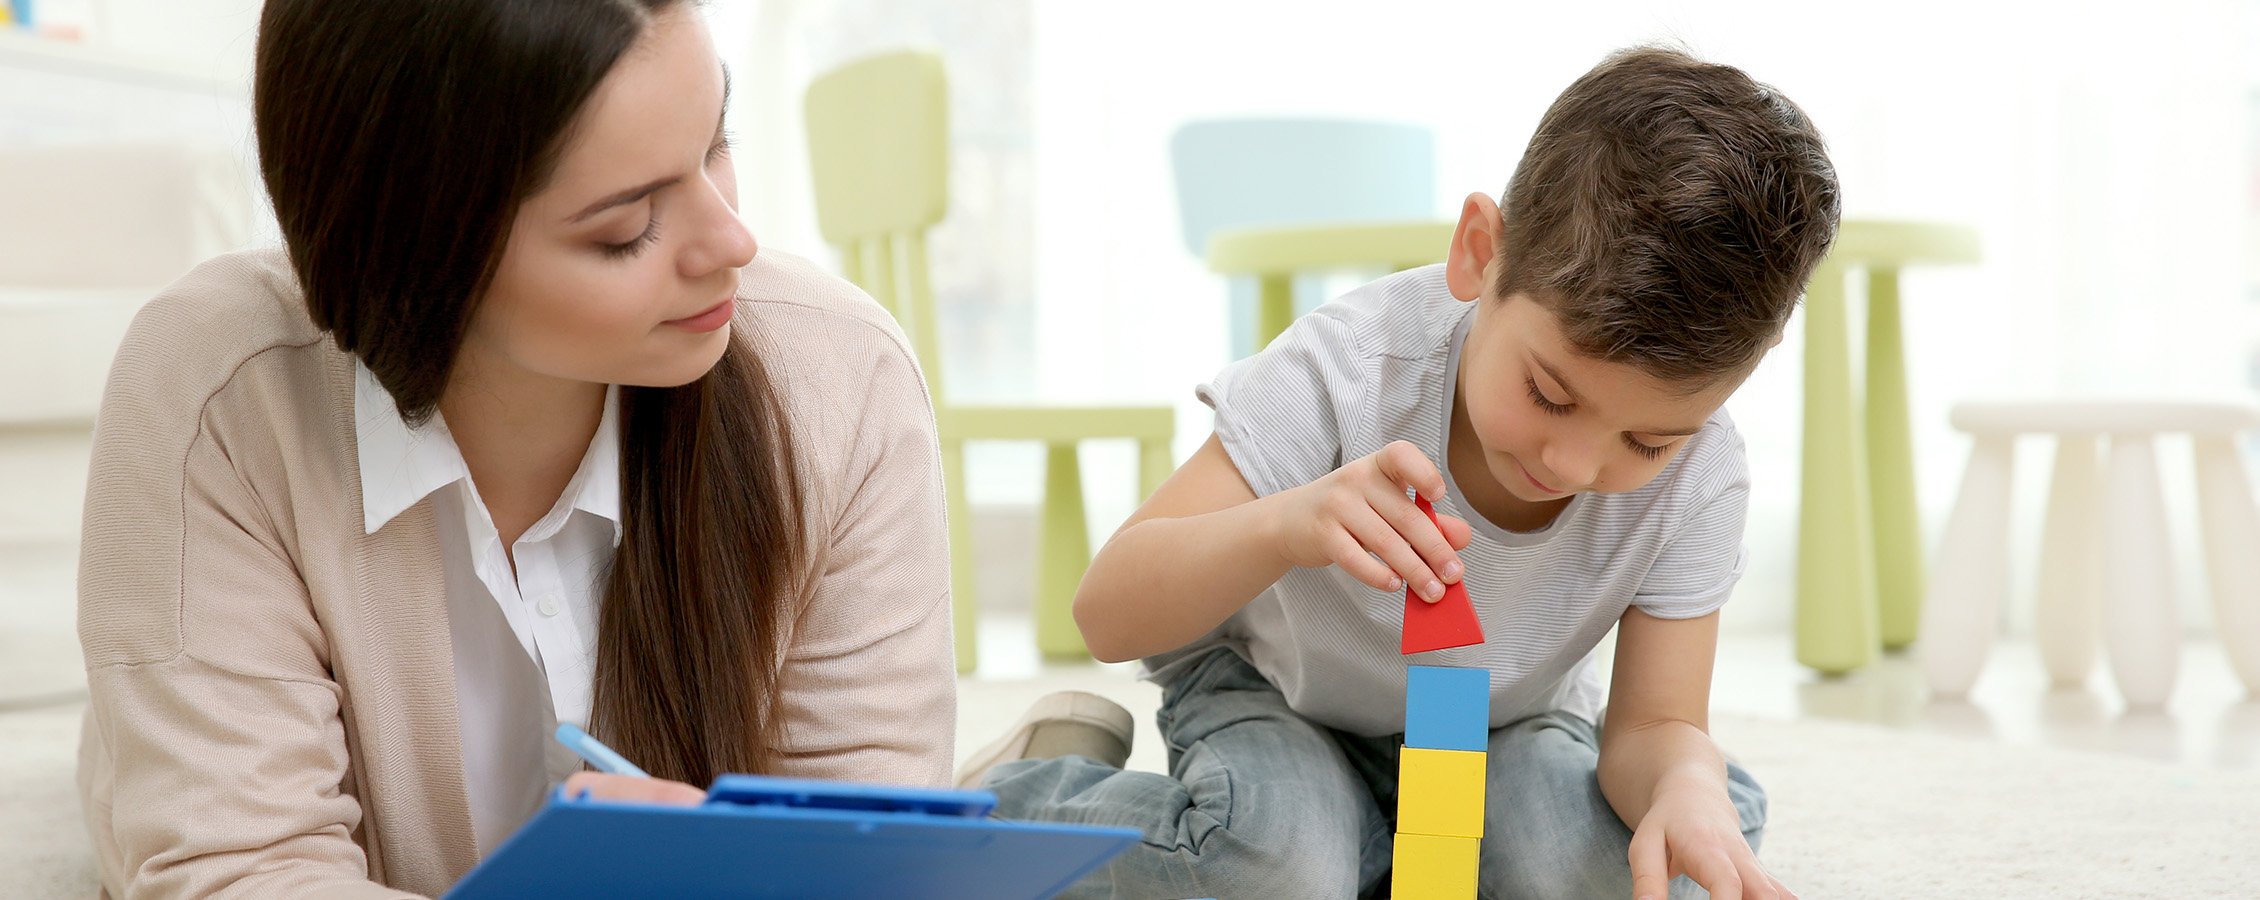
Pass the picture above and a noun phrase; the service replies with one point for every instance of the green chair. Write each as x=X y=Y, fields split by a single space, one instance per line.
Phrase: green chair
x=878 y=141
x=1274 y=255
x=1859 y=541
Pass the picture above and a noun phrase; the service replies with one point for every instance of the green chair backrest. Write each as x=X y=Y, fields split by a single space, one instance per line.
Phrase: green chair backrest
x=878 y=151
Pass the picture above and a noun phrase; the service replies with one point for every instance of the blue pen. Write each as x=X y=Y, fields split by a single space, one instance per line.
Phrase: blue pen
x=593 y=750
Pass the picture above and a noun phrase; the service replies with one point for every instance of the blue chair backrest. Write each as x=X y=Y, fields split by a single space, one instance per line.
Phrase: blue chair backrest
x=1234 y=172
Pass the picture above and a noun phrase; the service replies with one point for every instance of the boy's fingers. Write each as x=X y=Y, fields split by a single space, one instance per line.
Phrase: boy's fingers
x=1382 y=539
x=1756 y=884
x=1405 y=466
x=1716 y=874
x=1457 y=532
x=1351 y=556
x=1425 y=536
x=1651 y=874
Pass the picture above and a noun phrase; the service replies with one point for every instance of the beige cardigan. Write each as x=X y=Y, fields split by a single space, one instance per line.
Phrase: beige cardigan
x=273 y=704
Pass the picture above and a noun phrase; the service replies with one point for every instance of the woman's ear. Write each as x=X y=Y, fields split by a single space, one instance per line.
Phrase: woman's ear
x=1467 y=267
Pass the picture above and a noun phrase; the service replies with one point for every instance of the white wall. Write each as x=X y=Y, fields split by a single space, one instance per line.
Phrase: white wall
x=2099 y=151
x=2104 y=152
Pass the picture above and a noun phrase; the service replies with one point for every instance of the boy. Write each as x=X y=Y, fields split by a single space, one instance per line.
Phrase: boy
x=1556 y=386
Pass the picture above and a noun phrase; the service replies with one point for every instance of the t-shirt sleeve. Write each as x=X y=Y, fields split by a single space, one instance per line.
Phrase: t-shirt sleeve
x=1696 y=570
x=1279 y=413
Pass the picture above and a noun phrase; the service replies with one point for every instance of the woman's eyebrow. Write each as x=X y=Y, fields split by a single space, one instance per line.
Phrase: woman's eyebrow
x=641 y=191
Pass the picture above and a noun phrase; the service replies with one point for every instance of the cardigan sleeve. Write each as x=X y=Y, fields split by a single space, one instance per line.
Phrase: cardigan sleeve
x=215 y=761
x=868 y=690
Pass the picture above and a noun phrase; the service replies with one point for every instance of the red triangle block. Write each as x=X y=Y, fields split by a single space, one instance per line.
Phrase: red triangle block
x=1444 y=624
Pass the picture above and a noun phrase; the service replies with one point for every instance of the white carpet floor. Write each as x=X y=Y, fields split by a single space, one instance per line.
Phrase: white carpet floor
x=1864 y=811
x=1861 y=811
x=1857 y=810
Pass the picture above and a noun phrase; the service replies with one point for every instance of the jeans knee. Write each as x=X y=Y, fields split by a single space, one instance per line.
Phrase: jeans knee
x=1228 y=865
x=1572 y=862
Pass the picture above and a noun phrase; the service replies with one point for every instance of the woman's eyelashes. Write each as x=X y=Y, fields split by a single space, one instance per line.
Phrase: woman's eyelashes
x=1551 y=408
x=633 y=246
x=720 y=149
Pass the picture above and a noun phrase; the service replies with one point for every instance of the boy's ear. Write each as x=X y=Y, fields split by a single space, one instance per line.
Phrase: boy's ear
x=1467 y=268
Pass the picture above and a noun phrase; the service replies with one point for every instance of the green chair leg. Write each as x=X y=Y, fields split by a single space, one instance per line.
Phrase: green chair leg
x=964 y=605
x=1836 y=606
x=1891 y=469
x=1275 y=307
x=1063 y=552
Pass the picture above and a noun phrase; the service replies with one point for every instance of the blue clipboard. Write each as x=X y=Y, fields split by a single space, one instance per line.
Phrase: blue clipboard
x=779 y=837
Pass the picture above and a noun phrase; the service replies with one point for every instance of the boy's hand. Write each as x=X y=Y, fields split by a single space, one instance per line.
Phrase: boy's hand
x=1360 y=511
x=1696 y=833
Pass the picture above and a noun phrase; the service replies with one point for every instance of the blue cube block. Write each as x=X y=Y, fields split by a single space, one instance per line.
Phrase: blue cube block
x=1447 y=708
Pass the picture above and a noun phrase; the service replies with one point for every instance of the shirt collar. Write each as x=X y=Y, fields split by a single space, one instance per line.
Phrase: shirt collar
x=595 y=488
x=401 y=465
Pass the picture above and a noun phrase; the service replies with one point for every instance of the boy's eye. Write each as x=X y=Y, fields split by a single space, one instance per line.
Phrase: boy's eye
x=1539 y=397
x=1648 y=450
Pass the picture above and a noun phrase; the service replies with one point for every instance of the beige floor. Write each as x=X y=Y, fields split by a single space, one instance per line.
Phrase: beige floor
x=2210 y=721
x=1776 y=716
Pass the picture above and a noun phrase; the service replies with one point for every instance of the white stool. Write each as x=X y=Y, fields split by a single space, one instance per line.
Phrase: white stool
x=2105 y=561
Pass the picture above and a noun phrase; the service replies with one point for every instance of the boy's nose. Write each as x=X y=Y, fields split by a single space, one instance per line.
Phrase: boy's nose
x=1573 y=464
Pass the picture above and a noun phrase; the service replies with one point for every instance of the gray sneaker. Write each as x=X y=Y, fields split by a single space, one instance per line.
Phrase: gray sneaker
x=1067 y=723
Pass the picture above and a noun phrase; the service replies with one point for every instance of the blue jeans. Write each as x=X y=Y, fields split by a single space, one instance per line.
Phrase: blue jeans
x=1260 y=802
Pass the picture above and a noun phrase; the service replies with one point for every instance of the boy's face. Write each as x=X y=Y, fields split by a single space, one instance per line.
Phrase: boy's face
x=1551 y=420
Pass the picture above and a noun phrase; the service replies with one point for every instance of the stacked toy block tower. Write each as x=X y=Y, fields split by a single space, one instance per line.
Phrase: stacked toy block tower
x=1441 y=766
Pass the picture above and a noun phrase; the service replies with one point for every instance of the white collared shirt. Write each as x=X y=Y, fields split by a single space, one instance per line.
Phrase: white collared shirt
x=524 y=643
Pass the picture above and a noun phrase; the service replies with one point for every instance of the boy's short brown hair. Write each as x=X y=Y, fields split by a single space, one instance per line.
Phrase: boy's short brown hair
x=1669 y=212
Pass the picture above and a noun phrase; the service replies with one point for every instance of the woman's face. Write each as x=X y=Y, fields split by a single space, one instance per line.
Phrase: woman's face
x=624 y=268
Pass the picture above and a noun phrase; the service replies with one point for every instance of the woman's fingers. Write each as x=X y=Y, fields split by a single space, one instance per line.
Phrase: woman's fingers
x=630 y=789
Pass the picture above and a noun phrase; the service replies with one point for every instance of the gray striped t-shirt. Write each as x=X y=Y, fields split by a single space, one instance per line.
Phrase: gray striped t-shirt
x=1376 y=366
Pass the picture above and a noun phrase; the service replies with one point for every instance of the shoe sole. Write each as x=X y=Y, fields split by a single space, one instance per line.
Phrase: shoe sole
x=1063 y=706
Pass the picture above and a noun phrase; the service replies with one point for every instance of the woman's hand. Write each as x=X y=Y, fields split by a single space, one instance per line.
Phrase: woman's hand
x=1695 y=832
x=1360 y=511
x=630 y=789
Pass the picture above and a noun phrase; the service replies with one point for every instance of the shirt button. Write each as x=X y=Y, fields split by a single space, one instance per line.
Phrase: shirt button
x=548 y=606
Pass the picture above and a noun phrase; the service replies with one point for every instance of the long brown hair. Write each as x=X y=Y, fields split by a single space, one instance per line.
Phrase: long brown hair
x=397 y=141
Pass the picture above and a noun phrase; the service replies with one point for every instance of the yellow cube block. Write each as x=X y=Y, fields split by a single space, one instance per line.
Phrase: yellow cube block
x=1428 y=867
x=1440 y=792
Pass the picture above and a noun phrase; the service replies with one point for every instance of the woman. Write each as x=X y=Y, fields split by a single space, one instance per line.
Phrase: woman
x=520 y=430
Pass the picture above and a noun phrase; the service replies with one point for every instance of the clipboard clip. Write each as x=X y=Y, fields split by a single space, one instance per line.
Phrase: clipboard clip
x=799 y=793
